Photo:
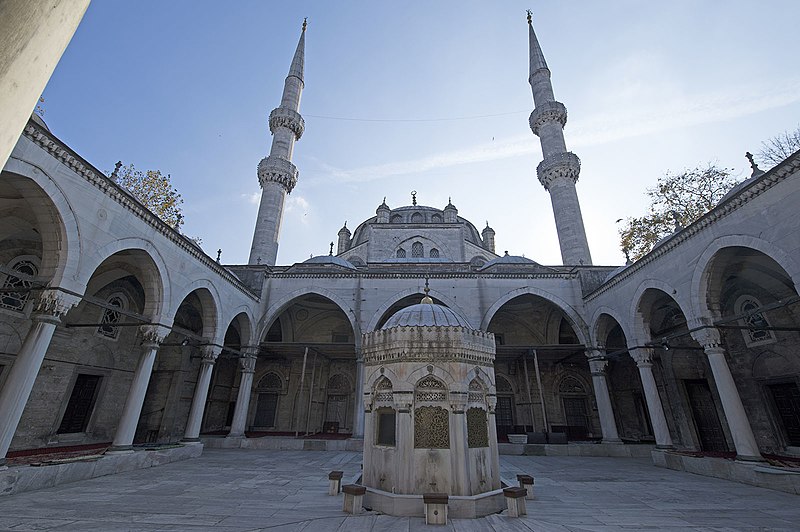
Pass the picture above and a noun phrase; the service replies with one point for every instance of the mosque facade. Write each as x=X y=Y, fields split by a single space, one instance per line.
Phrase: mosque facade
x=117 y=330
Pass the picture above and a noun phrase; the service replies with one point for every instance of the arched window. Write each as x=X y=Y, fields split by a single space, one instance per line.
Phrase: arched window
x=396 y=219
x=433 y=253
x=401 y=253
x=16 y=300
x=269 y=389
x=416 y=250
x=111 y=316
x=758 y=332
x=417 y=218
x=271 y=381
x=436 y=218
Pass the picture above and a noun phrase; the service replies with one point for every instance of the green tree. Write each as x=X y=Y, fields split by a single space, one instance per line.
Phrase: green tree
x=774 y=150
x=677 y=200
x=154 y=190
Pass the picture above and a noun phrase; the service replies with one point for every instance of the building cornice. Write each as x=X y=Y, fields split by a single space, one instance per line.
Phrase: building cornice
x=749 y=192
x=69 y=158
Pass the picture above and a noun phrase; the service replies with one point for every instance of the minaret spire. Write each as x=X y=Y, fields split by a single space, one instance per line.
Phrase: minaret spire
x=276 y=173
x=559 y=170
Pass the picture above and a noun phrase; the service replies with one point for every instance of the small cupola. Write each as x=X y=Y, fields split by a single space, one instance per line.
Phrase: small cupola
x=450 y=212
x=383 y=212
x=344 y=239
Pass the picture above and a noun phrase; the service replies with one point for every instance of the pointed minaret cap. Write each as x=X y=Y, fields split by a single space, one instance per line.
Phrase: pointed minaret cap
x=298 y=62
x=536 y=54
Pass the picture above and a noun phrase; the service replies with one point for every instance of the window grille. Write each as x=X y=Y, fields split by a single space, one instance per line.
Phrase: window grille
x=16 y=300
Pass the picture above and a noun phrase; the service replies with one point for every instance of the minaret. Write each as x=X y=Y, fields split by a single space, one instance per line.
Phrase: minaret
x=560 y=168
x=276 y=173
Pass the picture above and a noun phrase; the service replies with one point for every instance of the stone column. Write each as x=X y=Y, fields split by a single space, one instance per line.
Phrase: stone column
x=247 y=367
x=358 y=413
x=458 y=443
x=209 y=353
x=35 y=36
x=48 y=310
x=404 y=441
x=152 y=336
x=491 y=403
x=742 y=433
x=644 y=360
x=608 y=424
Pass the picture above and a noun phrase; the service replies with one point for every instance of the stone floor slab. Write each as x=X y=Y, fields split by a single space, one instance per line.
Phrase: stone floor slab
x=235 y=490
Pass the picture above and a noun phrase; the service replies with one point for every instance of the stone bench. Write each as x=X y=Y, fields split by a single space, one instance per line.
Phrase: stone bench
x=526 y=482
x=353 y=498
x=335 y=482
x=435 y=508
x=515 y=499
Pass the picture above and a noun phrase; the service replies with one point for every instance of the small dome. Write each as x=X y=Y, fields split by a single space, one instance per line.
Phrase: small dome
x=329 y=259
x=426 y=315
x=508 y=259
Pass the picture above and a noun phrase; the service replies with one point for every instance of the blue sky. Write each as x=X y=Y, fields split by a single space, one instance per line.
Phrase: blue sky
x=186 y=87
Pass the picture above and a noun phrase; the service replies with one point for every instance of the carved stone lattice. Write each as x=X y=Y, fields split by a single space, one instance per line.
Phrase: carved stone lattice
x=571 y=385
x=503 y=385
x=383 y=390
x=430 y=389
x=477 y=392
x=270 y=381
x=431 y=428
x=338 y=383
x=477 y=428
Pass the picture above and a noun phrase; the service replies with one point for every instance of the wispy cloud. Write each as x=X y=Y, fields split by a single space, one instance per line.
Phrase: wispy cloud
x=252 y=198
x=298 y=207
x=622 y=123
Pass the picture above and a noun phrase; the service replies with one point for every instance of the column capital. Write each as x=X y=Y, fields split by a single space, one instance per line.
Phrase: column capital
x=458 y=400
x=708 y=337
x=247 y=363
x=643 y=356
x=209 y=353
x=153 y=335
x=598 y=366
x=52 y=305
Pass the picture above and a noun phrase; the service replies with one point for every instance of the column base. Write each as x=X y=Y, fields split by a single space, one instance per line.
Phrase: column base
x=3 y=465
x=750 y=459
x=235 y=437
x=120 y=449
x=190 y=441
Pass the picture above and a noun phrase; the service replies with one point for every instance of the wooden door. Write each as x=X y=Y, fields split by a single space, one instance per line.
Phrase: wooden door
x=787 y=405
x=576 y=418
x=80 y=405
x=706 y=419
x=265 y=410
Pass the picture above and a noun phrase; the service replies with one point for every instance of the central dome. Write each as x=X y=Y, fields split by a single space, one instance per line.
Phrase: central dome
x=426 y=315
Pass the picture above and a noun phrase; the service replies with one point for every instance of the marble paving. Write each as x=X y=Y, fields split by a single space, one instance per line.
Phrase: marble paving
x=243 y=490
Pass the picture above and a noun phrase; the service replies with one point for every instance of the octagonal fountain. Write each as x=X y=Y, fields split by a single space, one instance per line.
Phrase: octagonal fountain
x=429 y=399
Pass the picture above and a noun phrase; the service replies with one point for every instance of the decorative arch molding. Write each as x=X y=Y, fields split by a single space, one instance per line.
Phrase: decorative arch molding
x=502 y=389
x=246 y=328
x=276 y=308
x=398 y=384
x=595 y=323
x=449 y=303
x=158 y=300
x=578 y=325
x=263 y=384
x=438 y=373
x=211 y=316
x=702 y=272
x=61 y=266
x=641 y=333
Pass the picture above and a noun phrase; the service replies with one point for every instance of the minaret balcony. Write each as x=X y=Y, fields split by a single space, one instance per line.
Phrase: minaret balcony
x=278 y=170
x=551 y=111
x=288 y=118
x=565 y=165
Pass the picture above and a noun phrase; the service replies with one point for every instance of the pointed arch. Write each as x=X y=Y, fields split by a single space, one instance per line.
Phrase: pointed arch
x=387 y=304
x=280 y=305
x=578 y=325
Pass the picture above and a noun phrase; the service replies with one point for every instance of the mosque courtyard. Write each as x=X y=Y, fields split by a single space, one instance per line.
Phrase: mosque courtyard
x=237 y=490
